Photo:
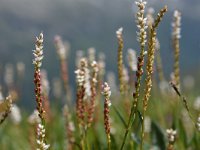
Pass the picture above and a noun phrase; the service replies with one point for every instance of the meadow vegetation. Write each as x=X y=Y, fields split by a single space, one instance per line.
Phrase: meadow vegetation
x=139 y=108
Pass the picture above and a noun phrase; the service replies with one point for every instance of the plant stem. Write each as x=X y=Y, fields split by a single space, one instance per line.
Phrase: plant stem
x=128 y=128
x=108 y=142
x=142 y=133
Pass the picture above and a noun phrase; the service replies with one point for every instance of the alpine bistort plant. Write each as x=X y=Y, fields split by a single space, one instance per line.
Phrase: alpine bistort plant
x=5 y=108
x=62 y=51
x=149 y=66
x=95 y=70
x=176 y=44
x=80 y=79
x=41 y=138
x=132 y=59
x=37 y=61
x=107 y=92
x=141 y=38
x=120 y=59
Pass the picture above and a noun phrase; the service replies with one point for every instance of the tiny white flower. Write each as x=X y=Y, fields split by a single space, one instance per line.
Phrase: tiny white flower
x=34 y=118
x=15 y=114
x=38 y=52
x=106 y=90
x=171 y=134
x=176 y=25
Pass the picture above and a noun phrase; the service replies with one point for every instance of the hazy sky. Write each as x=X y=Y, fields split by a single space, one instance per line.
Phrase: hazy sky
x=40 y=8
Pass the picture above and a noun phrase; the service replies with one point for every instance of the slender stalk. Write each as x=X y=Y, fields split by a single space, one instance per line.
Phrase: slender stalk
x=37 y=61
x=149 y=67
x=108 y=142
x=93 y=82
x=176 y=89
x=141 y=21
x=106 y=92
x=80 y=104
x=120 y=59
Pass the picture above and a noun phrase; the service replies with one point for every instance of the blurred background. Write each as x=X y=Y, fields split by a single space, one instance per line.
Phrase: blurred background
x=85 y=24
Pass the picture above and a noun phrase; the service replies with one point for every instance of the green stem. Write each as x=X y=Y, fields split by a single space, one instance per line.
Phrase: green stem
x=128 y=127
x=142 y=133
x=82 y=137
x=86 y=139
x=108 y=142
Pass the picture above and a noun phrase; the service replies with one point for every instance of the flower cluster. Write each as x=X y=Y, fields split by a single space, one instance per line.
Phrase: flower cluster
x=120 y=59
x=141 y=22
x=40 y=140
x=95 y=70
x=132 y=59
x=176 y=25
x=62 y=49
x=80 y=73
x=21 y=69
x=176 y=45
x=38 y=52
x=106 y=91
x=87 y=85
x=149 y=16
x=91 y=54
x=8 y=106
x=119 y=33
x=57 y=88
x=171 y=135
x=34 y=117
x=9 y=75
x=102 y=64
x=157 y=45
x=15 y=114
x=111 y=78
x=81 y=91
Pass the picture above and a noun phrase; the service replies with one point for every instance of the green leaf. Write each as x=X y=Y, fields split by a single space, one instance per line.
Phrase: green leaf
x=120 y=116
x=182 y=134
x=113 y=142
x=137 y=119
x=140 y=116
x=158 y=137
